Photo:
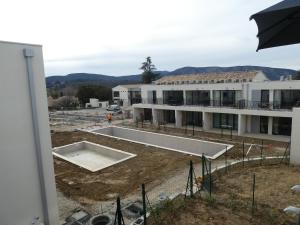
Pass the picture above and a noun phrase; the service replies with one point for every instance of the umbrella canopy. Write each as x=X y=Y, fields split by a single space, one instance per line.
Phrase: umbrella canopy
x=279 y=24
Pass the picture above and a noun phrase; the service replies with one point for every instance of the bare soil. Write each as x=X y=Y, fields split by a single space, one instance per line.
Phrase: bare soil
x=151 y=166
x=231 y=203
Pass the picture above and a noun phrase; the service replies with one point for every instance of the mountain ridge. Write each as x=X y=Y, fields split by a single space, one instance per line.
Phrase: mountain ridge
x=78 y=79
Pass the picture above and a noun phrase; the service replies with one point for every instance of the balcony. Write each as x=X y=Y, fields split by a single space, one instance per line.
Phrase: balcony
x=135 y=101
x=240 y=104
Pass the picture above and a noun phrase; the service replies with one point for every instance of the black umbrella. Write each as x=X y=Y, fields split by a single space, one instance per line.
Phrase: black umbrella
x=279 y=24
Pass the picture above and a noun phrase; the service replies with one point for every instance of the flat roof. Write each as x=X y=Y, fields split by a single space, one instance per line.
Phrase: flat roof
x=20 y=43
x=209 y=76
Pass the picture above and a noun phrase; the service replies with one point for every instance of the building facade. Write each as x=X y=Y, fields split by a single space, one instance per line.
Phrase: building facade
x=246 y=102
x=127 y=95
x=27 y=193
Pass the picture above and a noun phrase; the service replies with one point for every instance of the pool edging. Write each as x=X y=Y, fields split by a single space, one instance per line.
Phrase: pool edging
x=158 y=146
x=131 y=155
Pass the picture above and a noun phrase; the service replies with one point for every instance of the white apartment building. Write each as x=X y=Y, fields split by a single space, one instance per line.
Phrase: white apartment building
x=127 y=94
x=246 y=102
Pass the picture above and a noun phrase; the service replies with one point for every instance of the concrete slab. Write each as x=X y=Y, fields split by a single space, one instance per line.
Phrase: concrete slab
x=180 y=144
x=91 y=156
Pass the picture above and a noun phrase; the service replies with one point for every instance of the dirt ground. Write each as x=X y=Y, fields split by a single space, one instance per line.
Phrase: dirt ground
x=231 y=203
x=151 y=166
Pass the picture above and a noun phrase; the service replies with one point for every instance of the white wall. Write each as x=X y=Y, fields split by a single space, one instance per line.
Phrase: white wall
x=255 y=124
x=190 y=146
x=295 y=140
x=27 y=188
x=260 y=76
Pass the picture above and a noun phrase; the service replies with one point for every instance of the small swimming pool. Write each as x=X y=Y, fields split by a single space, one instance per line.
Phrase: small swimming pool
x=180 y=144
x=91 y=156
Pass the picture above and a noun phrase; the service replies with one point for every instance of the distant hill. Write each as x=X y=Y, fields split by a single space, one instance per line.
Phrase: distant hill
x=77 y=79
x=272 y=73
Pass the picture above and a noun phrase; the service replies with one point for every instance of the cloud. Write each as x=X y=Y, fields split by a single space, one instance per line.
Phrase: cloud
x=113 y=37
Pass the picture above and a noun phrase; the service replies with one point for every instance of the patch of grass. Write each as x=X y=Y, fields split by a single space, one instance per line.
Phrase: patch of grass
x=233 y=202
x=210 y=199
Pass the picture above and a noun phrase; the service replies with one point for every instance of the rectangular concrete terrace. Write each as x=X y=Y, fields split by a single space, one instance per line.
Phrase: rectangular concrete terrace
x=180 y=144
x=90 y=156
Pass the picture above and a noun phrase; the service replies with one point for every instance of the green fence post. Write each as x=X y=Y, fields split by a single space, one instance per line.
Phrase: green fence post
x=210 y=179
x=253 y=194
x=144 y=204
x=119 y=220
x=203 y=175
x=191 y=178
x=261 y=151
x=243 y=153
x=226 y=159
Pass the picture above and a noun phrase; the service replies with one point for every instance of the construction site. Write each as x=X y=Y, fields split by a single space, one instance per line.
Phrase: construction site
x=147 y=156
x=170 y=144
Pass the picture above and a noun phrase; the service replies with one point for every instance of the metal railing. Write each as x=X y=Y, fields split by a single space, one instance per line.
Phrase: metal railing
x=135 y=101
x=240 y=104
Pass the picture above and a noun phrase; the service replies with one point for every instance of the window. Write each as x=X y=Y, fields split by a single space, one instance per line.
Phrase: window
x=244 y=80
x=225 y=120
x=200 y=82
x=212 y=81
x=263 y=124
x=205 y=82
x=116 y=94
x=237 y=81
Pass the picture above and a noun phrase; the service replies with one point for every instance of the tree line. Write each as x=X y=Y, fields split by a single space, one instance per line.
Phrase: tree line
x=83 y=93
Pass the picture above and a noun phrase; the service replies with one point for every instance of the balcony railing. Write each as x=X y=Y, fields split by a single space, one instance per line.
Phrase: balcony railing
x=240 y=104
x=135 y=101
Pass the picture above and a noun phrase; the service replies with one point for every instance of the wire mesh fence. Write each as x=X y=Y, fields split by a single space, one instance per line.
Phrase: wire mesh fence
x=205 y=184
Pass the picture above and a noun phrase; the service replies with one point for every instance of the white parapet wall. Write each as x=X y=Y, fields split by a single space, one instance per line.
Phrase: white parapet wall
x=27 y=189
x=295 y=138
x=174 y=143
x=91 y=156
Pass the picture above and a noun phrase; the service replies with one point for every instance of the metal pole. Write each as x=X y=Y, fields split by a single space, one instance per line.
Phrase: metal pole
x=191 y=178
x=203 y=176
x=210 y=179
x=226 y=158
x=193 y=123
x=253 y=194
x=28 y=55
x=231 y=133
x=119 y=211
x=144 y=204
x=221 y=130
x=261 y=151
x=243 y=153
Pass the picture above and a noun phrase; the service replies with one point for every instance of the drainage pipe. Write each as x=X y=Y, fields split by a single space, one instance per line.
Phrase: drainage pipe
x=29 y=54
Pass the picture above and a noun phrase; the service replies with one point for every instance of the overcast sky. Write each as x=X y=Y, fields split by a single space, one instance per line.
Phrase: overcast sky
x=114 y=36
